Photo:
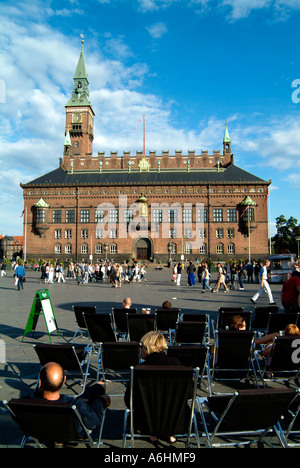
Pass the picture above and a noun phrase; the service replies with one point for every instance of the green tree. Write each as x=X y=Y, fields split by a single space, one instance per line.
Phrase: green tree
x=287 y=230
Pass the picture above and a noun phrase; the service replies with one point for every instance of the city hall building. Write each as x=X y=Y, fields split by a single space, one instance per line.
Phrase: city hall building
x=155 y=206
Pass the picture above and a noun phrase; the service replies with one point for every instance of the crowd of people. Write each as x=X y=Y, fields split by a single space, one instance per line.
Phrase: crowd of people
x=85 y=273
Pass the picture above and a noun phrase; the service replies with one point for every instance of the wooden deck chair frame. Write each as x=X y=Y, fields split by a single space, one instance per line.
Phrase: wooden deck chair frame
x=246 y=414
x=161 y=385
x=74 y=359
x=52 y=422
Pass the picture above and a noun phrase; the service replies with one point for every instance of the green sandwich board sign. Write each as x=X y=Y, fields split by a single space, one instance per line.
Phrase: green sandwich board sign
x=41 y=305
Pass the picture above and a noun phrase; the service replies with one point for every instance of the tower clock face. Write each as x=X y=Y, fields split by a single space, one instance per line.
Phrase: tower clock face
x=77 y=118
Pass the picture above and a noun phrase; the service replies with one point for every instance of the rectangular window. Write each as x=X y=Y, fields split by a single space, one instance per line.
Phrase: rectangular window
x=113 y=249
x=187 y=215
x=99 y=233
x=68 y=249
x=57 y=234
x=84 y=233
x=113 y=216
x=70 y=216
x=231 y=215
x=219 y=233
x=98 y=249
x=157 y=216
x=99 y=216
x=202 y=215
x=85 y=216
x=68 y=234
x=56 y=216
x=230 y=233
x=172 y=216
x=128 y=216
x=40 y=216
x=218 y=215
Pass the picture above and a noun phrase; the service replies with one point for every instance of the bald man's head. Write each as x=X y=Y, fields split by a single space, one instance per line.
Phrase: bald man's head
x=52 y=377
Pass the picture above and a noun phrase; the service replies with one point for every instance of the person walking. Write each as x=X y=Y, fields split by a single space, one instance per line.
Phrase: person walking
x=264 y=285
x=205 y=278
x=20 y=275
x=191 y=274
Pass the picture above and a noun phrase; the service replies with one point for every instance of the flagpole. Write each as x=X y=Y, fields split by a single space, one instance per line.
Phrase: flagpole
x=144 y=137
x=25 y=236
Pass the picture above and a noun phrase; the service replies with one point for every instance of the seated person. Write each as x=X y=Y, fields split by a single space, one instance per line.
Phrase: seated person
x=166 y=305
x=237 y=322
x=127 y=303
x=90 y=404
x=267 y=340
x=154 y=346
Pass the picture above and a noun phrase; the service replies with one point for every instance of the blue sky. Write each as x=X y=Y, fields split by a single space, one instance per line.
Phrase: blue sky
x=188 y=65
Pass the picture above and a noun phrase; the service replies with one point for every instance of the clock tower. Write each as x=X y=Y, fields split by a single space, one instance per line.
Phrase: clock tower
x=79 y=134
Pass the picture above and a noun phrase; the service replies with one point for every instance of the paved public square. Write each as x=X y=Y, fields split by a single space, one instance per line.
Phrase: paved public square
x=18 y=375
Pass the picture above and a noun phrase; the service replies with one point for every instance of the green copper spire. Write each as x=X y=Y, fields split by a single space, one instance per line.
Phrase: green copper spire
x=226 y=135
x=80 y=94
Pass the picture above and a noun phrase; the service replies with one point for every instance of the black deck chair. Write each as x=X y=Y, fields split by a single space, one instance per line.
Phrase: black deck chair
x=100 y=328
x=261 y=316
x=139 y=325
x=225 y=316
x=233 y=355
x=283 y=362
x=159 y=406
x=291 y=424
x=189 y=317
x=246 y=417
x=194 y=356
x=279 y=321
x=74 y=359
x=117 y=358
x=230 y=309
x=166 y=319
x=190 y=332
x=120 y=320
x=81 y=326
x=50 y=422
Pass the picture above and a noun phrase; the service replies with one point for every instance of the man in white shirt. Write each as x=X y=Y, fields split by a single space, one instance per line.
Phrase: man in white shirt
x=264 y=285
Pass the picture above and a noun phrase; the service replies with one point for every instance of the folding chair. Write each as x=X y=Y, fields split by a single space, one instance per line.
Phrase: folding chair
x=74 y=359
x=261 y=316
x=279 y=321
x=100 y=329
x=194 y=356
x=49 y=422
x=166 y=319
x=188 y=317
x=283 y=362
x=117 y=358
x=225 y=317
x=233 y=355
x=236 y=419
x=291 y=424
x=81 y=326
x=232 y=310
x=120 y=320
x=190 y=332
x=140 y=324
x=159 y=403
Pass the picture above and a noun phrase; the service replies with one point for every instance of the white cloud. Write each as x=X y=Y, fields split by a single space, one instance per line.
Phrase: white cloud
x=157 y=30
